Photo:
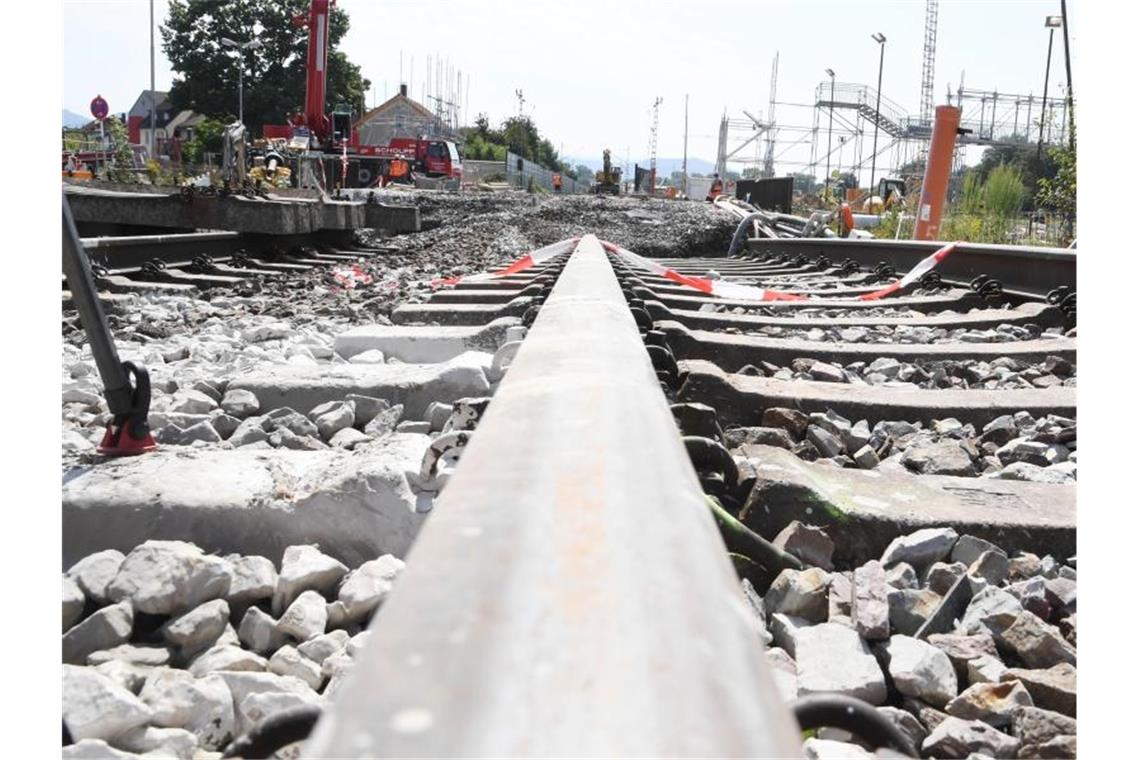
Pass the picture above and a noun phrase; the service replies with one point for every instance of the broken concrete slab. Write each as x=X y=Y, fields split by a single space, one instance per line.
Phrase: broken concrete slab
x=356 y=504
x=413 y=385
x=864 y=510
x=417 y=344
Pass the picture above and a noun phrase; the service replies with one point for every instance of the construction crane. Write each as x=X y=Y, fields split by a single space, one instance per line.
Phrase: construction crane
x=653 y=148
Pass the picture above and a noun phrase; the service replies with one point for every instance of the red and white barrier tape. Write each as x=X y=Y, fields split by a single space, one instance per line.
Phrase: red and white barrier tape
x=720 y=288
x=736 y=291
x=914 y=275
x=351 y=277
x=526 y=262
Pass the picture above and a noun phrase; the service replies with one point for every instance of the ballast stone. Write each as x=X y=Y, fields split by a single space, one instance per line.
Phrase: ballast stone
x=832 y=658
x=258 y=631
x=240 y=403
x=920 y=670
x=203 y=706
x=73 y=603
x=254 y=578
x=94 y=573
x=105 y=628
x=95 y=707
x=303 y=568
x=365 y=588
x=920 y=548
x=166 y=742
x=166 y=577
x=199 y=627
x=305 y=618
x=96 y=749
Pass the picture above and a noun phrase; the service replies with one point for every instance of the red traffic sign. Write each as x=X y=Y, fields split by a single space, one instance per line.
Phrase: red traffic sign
x=99 y=107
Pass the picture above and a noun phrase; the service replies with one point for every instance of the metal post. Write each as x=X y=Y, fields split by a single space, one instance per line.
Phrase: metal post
x=83 y=292
x=685 y=155
x=830 y=119
x=1068 y=78
x=1045 y=94
x=153 y=107
x=128 y=432
x=878 y=100
x=241 y=94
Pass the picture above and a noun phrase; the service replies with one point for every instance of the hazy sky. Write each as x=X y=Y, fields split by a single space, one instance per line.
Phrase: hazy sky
x=590 y=70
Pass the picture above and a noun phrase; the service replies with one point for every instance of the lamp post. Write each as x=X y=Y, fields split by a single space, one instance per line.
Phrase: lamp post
x=879 y=38
x=1051 y=23
x=830 y=117
x=241 y=47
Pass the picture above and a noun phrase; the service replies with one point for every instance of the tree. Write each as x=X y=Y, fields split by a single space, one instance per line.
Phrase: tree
x=207 y=139
x=274 y=74
x=583 y=173
x=1059 y=192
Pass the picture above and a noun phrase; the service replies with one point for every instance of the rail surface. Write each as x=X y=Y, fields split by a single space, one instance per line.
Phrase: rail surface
x=570 y=595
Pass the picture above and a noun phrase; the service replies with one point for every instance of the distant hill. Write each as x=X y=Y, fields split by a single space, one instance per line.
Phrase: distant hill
x=665 y=166
x=72 y=120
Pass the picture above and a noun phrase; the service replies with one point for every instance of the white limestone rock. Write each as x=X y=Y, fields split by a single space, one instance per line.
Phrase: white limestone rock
x=254 y=578
x=104 y=629
x=95 y=707
x=168 y=742
x=240 y=403
x=306 y=617
x=95 y=572
x=258 y=631
x=287 y=661
x=198 y=627
x=226 y=658
x=202 y=706
x=168 y=577
x=305 y=568
x=365 y=588
x=73 y=603
x=95 y=749
x=258 y=706
x=320 y=648
x=149 y=656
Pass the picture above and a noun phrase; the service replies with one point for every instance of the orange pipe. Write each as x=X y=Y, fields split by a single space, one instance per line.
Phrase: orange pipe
x=936 y=181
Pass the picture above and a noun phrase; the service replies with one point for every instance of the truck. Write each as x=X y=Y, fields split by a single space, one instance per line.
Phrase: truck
x=608 y=180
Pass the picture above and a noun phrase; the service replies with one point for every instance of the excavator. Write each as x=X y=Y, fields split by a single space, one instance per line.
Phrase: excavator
x=608 y=180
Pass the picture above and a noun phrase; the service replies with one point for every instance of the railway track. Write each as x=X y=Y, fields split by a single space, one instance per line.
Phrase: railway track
x=646 y=520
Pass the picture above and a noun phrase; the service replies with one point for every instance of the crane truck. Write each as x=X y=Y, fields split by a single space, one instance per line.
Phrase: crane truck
x=332 y=138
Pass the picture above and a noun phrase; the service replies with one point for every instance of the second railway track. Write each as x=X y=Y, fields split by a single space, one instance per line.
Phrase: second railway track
x=637 y=519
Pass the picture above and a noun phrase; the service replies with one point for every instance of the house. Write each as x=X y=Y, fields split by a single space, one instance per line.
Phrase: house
x=172 y=127
x=400 y=116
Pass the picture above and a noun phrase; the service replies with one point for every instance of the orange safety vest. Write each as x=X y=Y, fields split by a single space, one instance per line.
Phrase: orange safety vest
x=557 y=181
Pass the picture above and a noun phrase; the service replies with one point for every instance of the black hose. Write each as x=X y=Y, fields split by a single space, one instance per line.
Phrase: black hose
x=852 y=715
x=278 y=730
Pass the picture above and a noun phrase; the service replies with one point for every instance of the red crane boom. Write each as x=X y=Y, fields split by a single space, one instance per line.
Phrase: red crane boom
x=317 y=68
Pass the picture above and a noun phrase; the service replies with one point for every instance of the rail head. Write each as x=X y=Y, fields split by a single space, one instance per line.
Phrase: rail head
x=570 y=594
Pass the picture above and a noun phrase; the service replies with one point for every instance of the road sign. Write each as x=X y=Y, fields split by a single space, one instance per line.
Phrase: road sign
x=99 y=108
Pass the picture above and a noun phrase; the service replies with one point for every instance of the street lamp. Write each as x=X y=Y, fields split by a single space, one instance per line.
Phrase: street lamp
x=241 y=47
x=830 y=117
x=879 y=38
x=1051 y=23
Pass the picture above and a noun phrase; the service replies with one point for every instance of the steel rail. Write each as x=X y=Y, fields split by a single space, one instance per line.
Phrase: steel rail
x=570 y=594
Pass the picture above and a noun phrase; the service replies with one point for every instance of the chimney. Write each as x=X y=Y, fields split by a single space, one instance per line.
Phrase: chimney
x=404 y=90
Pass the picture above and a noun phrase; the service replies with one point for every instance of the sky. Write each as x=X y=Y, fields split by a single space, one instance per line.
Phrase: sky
x=590 y=70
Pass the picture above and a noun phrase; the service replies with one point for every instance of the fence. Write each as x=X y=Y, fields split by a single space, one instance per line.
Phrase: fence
x=521 y=173
x=475 y=172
